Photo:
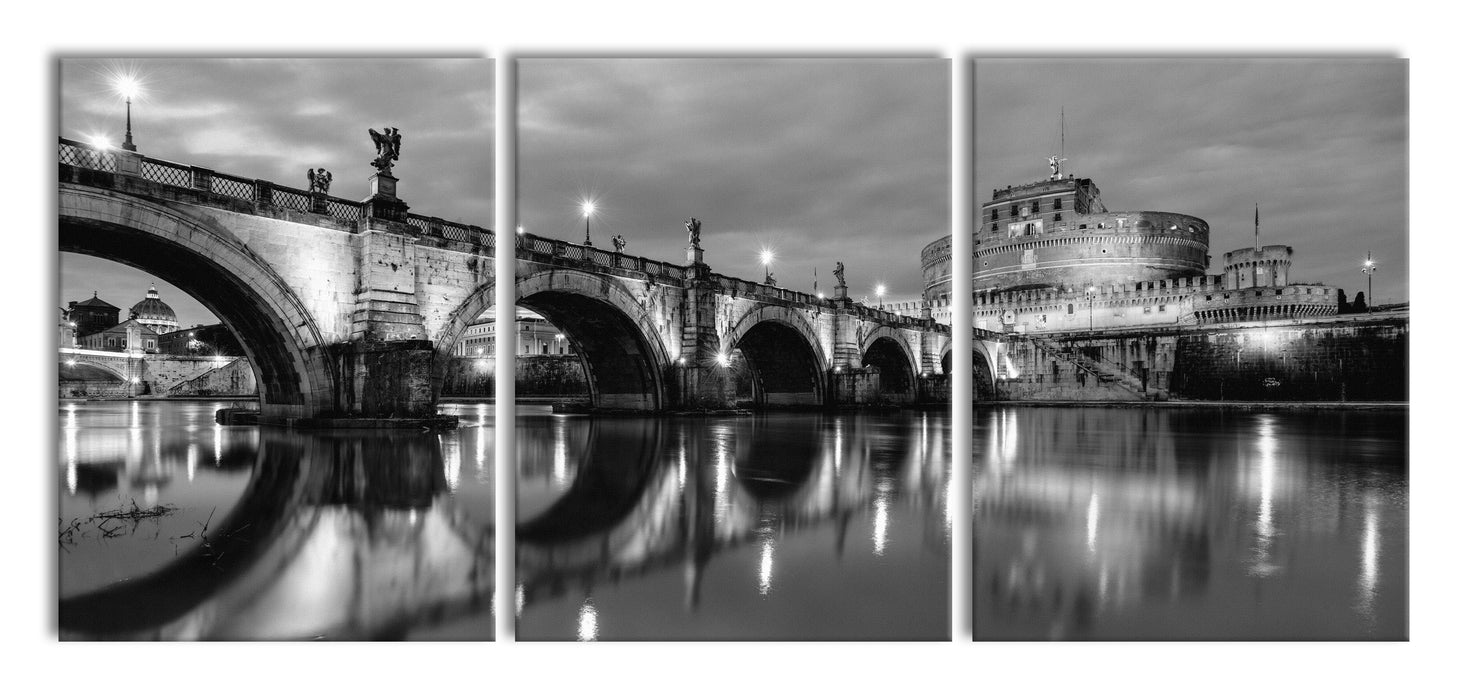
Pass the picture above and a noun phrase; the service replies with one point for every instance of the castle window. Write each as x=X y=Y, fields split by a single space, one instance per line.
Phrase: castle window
x=1057 y=216
x=1014 y=210
x=994 y=227
x=1161 y=308
x=1258 y=294
x=1070 y=308
x=1278 y=292
x=1083 y=227
x=1058 y=205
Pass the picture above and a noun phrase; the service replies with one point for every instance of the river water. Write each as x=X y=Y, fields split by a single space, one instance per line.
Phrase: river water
x=173 y=527
x=769 y=526
x=1189 y=523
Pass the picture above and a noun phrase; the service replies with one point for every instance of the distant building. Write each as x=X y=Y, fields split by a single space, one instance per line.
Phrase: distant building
x=128 y=335
x=91 y=316
x=213 y=339
x=534 y=336
x=155 y=314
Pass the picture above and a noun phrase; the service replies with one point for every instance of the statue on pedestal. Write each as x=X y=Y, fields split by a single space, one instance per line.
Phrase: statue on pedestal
x=1055 y=162
x=840 y=273
x=389 y=146
x=693 y=225
x=318 y=180
x=619 y=243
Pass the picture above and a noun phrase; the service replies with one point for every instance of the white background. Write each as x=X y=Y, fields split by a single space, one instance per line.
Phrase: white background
x=1430 y=665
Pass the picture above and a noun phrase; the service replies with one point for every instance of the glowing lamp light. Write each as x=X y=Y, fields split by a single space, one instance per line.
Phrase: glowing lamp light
x=588 y=207
x=136 y=380
x=722 y=359
x=98 y=141
x=127 y=86
x=71 y=363
x=820 y=295
x=766 y=256
x=520 y=230
x=881 y=290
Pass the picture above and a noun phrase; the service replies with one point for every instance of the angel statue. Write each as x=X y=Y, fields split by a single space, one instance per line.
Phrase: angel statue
x=693 y=225
x=619 y=243
x=1055 y=162
x=389 y=145
x=840 y=273
x=318 y=180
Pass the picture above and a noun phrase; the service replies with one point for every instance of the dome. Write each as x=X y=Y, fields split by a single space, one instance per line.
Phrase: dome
x=155 y=314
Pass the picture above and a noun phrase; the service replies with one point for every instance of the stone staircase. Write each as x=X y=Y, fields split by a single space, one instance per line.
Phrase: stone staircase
x=1106 y=373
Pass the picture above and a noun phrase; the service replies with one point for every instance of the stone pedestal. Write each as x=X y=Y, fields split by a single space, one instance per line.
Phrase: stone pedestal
x=695 y=255
x=128 y=162
x=384 y=203
x=386 y=378
x=840 y=292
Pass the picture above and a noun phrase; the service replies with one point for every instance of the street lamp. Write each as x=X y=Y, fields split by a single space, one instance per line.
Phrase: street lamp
x=588 y=208
x=881 y=292
x=767 y=256
x=1367 y=268
x=127 y=86
x=1091 y=297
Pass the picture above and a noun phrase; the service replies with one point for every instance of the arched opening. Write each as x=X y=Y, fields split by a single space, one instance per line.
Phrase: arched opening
x=784 y=370
x=983 y=386
x=278 y=337
x=617 y=361
x=897 y=383
x=547 y=368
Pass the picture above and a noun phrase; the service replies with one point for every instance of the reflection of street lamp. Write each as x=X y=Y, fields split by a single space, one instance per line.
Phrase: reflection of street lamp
x=767 y=256
x=881 y=292
x=1367 y=268
x=1091 y=297
x=127 y=86
x=588 y=207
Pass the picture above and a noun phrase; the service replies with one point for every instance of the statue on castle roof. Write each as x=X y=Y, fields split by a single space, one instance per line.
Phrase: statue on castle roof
x=840 y=273
x=1055 y=162
x=389 y=146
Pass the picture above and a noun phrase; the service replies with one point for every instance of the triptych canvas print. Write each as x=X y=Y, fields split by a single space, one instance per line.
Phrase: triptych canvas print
x=744 y=345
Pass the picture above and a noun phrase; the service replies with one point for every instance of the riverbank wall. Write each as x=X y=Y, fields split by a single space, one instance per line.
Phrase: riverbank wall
x=1360 y=357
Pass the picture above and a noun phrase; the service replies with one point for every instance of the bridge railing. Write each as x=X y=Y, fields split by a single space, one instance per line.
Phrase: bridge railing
x=190 y=177
x=541 y=245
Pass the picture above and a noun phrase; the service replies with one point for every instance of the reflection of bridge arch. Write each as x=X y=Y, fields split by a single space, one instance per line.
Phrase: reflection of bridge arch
x=785 y=353
x=350 y=537
x=618 y=457
x=889 y=351
x=215 y=267
x=615 y=336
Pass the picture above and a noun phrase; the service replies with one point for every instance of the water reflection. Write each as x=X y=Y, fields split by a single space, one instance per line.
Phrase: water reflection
x=732 y=527
x=283 y=535
x=1189 y=524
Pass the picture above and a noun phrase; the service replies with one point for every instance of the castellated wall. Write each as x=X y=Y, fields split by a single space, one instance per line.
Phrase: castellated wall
x=1099 y=249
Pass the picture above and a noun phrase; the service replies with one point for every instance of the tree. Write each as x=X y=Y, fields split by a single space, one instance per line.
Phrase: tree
x=1342 y=306
x=1359 y=305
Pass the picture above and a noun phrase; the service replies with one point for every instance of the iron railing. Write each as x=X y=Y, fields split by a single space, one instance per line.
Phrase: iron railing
x=81 y=155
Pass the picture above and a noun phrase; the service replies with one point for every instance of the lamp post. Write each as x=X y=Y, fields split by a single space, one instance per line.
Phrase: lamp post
x=127 y=86
x=767 y=256
x=1367 y=268
x=881 y=292
x=1091 y=297
x=588 y=207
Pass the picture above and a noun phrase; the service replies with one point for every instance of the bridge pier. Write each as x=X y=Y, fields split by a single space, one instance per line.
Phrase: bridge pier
x=387 y=379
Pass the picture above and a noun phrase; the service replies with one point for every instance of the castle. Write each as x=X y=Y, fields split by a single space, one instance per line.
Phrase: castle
x=1050 y=257
x=1118 y=305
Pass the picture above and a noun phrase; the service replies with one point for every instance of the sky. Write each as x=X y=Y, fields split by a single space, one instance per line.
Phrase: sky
x=819 y=160
x=272 y=119
x=1320 y=145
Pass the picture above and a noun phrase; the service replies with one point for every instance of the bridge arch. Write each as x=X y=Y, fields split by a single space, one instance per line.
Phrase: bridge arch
x=615 y=336
x=888 y=350
x=984 y=369
x=782 y=347
x=280 y=338
x=83 y=370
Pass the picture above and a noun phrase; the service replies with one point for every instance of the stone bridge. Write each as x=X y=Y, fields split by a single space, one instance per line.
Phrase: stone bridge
x=350 y=308
x=86 y=372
